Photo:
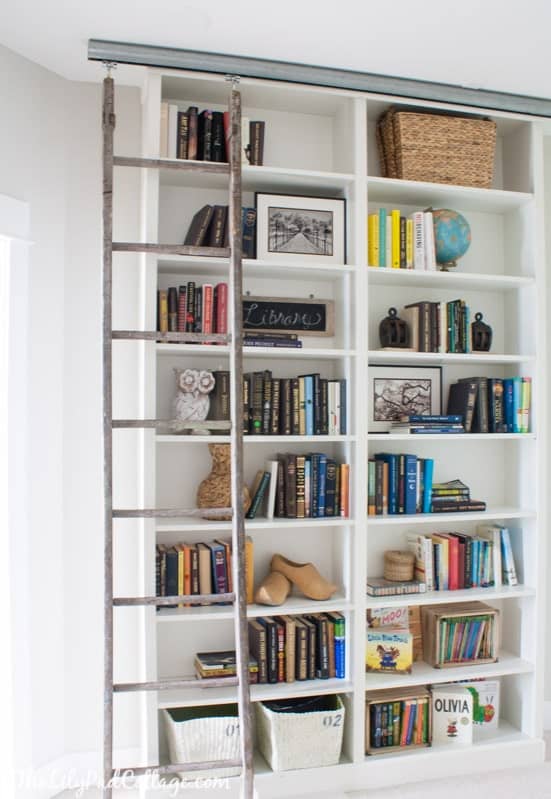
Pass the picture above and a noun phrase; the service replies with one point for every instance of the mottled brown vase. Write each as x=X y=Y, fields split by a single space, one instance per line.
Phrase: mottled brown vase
x=215 y=490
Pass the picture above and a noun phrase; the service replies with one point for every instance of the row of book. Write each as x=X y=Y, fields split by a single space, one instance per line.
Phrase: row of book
x=438 y=326
x=492 y=404
x=464 y=639
x=403 y=483
x=209 y=227
x=307 y=647
x=425 y=424
x=193 y=309
x=301 y=487
x=203 y=136
x=400 y=242
x=454 y=561
x=203 y=568
x=399 y=722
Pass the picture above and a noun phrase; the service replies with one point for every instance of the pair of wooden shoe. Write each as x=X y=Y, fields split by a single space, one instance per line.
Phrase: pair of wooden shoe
x=275 y=588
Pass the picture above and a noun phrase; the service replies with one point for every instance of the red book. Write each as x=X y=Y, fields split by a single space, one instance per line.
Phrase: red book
x=460 y=560
x=182 y=309
x=207 y=307
x=453 y=561
x=221 y=304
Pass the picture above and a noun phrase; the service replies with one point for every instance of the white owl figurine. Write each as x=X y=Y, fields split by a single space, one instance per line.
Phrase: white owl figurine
x=192 y=400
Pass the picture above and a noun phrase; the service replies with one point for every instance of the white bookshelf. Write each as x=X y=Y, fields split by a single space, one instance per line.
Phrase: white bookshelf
x=321 y=142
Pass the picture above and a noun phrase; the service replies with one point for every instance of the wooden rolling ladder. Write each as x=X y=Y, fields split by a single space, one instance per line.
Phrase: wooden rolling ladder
x=235 y=340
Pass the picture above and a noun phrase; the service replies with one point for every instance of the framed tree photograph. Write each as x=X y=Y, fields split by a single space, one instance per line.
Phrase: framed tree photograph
x=297 y=229
x=396 y=391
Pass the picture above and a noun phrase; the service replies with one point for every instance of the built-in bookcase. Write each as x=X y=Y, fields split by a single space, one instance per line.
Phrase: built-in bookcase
x=321 y=142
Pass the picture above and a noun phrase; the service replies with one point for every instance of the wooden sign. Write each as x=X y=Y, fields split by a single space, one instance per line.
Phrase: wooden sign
x=288 y=315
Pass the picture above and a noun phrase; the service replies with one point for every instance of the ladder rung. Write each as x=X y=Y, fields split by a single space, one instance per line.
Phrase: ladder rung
x=172 y=424
x=210 y=167
x=208 y=765
x=172 y=513
x=171 y=249
x=169 y=685
x=173 y=337
x=180 y=599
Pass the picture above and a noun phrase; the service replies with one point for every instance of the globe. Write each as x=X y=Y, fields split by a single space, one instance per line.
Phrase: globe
x=452 y=236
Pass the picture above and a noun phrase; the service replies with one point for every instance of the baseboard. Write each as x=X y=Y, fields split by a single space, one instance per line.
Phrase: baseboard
x=547 y=715
x=76 y=770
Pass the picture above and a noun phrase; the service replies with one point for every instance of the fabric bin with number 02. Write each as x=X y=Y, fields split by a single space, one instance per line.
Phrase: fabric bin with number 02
x=201 y=734
x=301 y=740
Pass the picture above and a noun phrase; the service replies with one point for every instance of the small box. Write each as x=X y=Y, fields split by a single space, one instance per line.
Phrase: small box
x=459 y=633
x=397 y=718
x=389 y=650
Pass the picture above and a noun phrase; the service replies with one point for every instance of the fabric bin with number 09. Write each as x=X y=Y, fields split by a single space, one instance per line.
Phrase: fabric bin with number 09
x=202 y=734
x=304 y=739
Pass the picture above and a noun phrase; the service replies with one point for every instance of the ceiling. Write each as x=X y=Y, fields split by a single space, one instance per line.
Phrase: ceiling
x=489 y=44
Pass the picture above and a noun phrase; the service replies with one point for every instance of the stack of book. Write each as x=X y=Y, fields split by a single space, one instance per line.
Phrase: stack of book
x=193 y=309
x=210 y=665
x=492 y=404
x=301 y=487
x=453 y=496
x=400 y=242
x=209 y=228
x=203 y=136
x=307 y=647
x=397 y=718
x=453 y=561
x=425 y=425
x=203 y=568
x=271 y=338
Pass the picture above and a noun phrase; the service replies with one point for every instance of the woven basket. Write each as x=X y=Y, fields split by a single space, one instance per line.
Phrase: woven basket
x=398 y=565
x=437 y=148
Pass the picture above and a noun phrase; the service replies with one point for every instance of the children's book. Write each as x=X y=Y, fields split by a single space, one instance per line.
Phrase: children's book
x=389 y=649
x=452 y=715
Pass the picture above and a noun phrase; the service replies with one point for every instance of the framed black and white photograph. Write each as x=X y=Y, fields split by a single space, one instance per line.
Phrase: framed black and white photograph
x=396 y=391
x=300 y=229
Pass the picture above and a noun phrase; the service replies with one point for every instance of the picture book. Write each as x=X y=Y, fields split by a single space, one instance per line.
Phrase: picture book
x=452 y=715
x=389 y=649
x=485 y=695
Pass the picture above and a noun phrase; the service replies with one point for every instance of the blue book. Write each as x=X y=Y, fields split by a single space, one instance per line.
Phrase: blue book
x=382 y=237
x=377 y=731
x=392 y=461
x=427 y=484
x=471 y=640
x=343 y=423
x=427 y=431
x=474 y=563
x=411 y=484
x=411 y=721
x=508 y=404
x=453 y=418
x=309 y=404
x=322 y=475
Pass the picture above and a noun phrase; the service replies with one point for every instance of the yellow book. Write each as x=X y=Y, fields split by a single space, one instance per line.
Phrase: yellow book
x=409 y=243
x=525 y=397
x=249 y=568
x=373 y=240
x=395 y=216
x=389 y=649
x=181 y=570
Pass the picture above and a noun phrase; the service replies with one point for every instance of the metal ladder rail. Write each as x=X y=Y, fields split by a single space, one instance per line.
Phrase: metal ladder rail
x=238 y=533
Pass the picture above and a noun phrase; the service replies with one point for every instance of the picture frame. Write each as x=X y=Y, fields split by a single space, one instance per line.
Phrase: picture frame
x=394 y=391
x=299 y=229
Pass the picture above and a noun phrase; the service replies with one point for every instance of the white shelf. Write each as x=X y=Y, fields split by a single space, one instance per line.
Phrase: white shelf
x=314 y=440
x=259 y=693
x=470 y=358
x=423 y=674
x=383 y=276
x=451 y=436
x=440 y=597
x=490 y=514
x=464 y=198
x=252 y=525
x=219 y=267
x=293 y=605
x=263 y=178
x=223 y=351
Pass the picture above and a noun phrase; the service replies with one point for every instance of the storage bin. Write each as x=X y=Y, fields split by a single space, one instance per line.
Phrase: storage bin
x=437 y=147
x=301 y=733
x=197 y=734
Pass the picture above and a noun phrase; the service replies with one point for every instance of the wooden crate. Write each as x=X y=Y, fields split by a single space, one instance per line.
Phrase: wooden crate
x=395 y=695
x=432 y=615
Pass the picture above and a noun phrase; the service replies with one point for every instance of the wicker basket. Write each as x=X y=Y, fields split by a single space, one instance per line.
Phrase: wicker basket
x=437 y=148
x=203 y=734
x=398 y=565
x=290 y=740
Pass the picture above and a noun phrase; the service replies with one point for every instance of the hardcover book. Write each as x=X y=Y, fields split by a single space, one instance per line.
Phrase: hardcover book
x=452 y=715
x=389 y=650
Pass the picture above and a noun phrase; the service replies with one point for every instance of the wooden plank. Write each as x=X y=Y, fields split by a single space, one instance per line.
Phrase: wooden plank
x=202 y=167
x=162 y=601
x=171 y=249
x=169 y=685
x=170 y=513
x=108 y=123
x=174 y=769
x=181 y=338
x=235 y=296
x=171 y=424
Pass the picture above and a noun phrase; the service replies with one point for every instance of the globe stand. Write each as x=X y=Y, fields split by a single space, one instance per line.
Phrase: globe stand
x=447 y=266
